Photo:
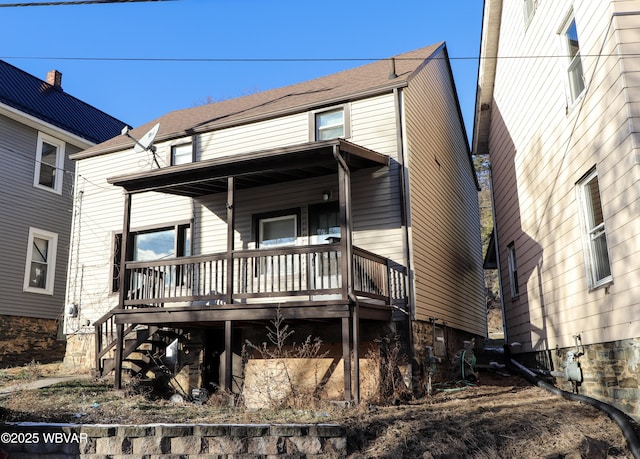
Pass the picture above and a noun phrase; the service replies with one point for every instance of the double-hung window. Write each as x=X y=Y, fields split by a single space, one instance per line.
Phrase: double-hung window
x=40 y=268
x=594 y=232
x=49 y=169
x=571 y=45
x=330 y=124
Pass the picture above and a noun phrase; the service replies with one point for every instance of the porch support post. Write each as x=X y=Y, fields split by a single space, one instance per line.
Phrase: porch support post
x=122 y=294
x=228 y=355
x=346 y=228
x=346 y=357
x=231 y=188
x=356 y=351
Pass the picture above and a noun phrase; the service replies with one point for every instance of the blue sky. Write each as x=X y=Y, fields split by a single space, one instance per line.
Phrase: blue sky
x=69 y=38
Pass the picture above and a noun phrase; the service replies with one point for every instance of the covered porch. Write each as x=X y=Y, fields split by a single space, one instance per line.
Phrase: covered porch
x=332 y=281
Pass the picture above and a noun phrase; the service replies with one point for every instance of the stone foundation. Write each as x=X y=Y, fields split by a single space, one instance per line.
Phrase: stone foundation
x=294 y=441
x=80 y=352
x=447 y=342
x=26 y=339
x=610 y=371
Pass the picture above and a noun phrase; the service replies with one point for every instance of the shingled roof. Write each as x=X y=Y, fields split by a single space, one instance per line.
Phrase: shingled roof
x=49 y=103
x=339 y=87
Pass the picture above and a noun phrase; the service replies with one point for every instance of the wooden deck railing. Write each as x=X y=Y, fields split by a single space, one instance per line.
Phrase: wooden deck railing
x=262 y=273
x=313 y=273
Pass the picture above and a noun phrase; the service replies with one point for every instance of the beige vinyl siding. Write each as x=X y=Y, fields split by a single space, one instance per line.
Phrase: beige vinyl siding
x=375 y=194
x=444 y=216
x=274 y=133
x=23 y=206
x=99 y=216
x=540 y=153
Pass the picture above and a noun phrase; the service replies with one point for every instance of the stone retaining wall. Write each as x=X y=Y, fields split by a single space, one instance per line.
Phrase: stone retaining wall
x=48 y=441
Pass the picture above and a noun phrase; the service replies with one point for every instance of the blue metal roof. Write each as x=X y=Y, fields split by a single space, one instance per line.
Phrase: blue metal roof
x=51 y=104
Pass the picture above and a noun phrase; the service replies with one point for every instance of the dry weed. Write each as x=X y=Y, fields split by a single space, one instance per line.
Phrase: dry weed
x=281 y=386
x=387 y=358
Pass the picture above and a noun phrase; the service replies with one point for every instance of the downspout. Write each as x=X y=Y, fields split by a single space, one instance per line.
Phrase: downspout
x=347 y=247
x=404 y=219
x=620 y=418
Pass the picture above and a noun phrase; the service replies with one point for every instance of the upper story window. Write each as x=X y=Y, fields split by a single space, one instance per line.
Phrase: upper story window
x=330 y=124
x=49 y=170
x=571 y=45
x=40 y=266
x=513 y=270
x=182 y=154
x=594 y=232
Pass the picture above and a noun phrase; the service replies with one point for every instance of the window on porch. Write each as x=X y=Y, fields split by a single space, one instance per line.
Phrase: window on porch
x=151 y=245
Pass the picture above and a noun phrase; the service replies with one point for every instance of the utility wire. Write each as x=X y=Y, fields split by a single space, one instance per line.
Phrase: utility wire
x=300 y=59
x=76 y=2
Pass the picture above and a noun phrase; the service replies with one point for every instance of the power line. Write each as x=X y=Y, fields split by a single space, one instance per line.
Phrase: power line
x=298 y=59
x=76 y=2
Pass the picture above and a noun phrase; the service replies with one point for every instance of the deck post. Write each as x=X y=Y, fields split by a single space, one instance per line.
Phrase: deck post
x=122 y=294
x=228 y=355
x=119 y=352
x=231 y=186
x=356 y=351
x=346 y=227
x=346 y=357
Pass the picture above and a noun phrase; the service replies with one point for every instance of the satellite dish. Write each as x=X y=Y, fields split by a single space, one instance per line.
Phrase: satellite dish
x=145 y=142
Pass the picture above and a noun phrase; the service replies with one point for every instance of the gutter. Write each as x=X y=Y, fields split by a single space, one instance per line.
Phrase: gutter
x=616 y=415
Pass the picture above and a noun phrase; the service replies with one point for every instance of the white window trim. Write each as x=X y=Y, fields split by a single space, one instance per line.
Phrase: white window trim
x=59 y=178
x=585 y=231
x=346 y=121
x=52 y=238
x=562 y=30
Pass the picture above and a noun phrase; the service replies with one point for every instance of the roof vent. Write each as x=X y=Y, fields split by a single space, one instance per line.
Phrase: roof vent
x=392 y=72
x=54 y=78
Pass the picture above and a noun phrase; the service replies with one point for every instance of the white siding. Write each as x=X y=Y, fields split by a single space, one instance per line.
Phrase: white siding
x=539 y=153
x=99 y=212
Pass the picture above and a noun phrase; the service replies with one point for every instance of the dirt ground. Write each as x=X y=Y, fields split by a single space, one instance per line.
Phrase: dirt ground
x=501 y=416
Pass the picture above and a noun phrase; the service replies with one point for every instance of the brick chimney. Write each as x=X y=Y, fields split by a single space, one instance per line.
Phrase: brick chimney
x=54 y=78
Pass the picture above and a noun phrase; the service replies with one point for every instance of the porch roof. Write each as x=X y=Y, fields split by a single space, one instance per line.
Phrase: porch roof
x=253 y=169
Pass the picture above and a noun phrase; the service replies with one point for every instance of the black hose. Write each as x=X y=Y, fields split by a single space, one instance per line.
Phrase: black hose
x=620 y=418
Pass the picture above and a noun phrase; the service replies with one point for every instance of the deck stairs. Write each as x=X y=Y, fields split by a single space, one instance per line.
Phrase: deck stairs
x=144 y=348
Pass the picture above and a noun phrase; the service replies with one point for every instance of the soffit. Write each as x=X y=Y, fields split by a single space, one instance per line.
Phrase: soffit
x=253 y=169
